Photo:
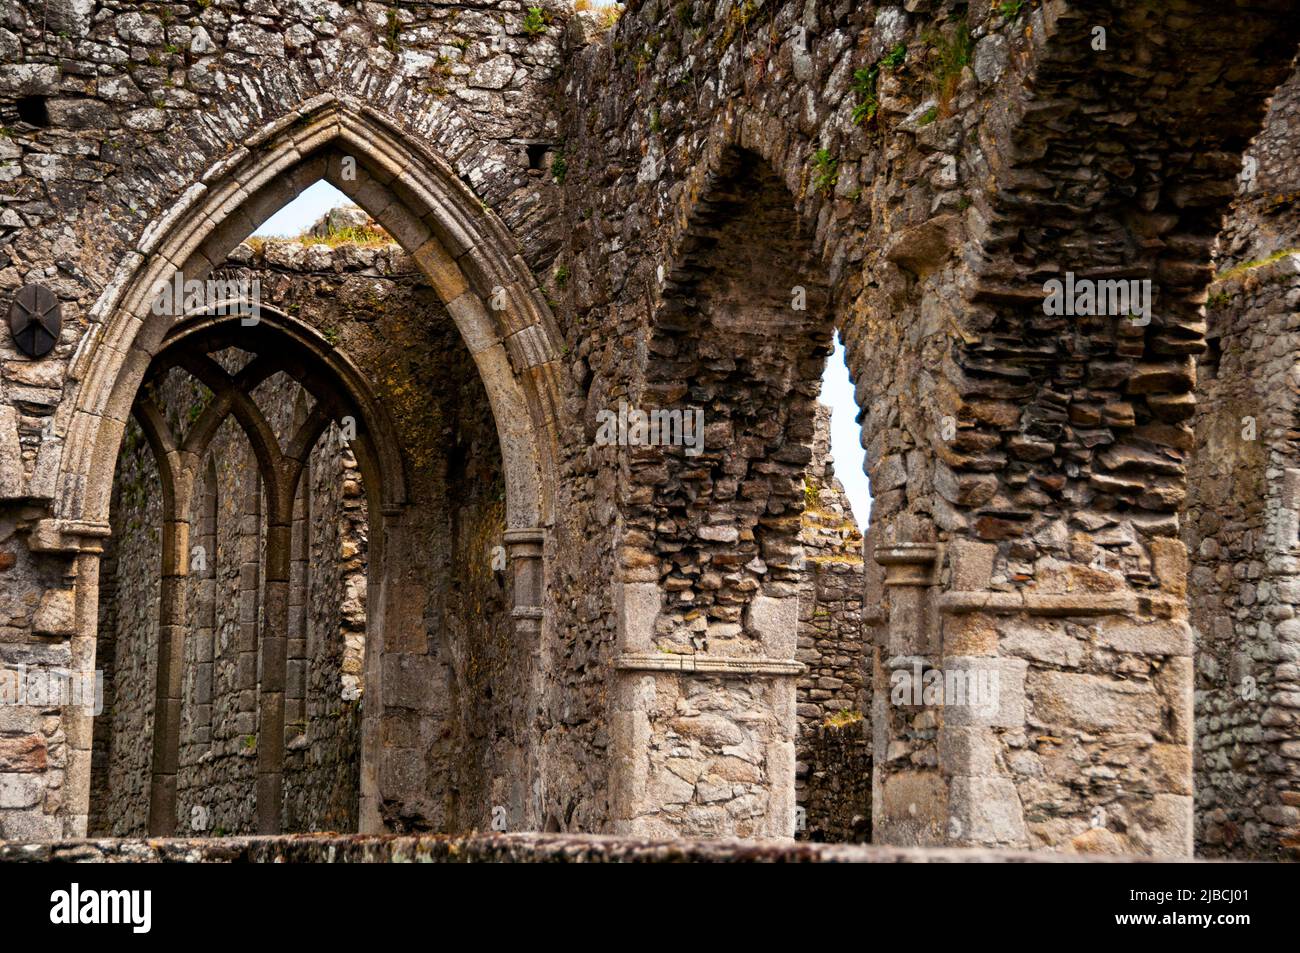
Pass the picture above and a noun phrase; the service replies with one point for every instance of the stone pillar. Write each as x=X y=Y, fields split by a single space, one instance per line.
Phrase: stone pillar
x=380 y=596
x=275 y=647
x=909 y=801
x=44 y=769
x=1084 y=742
x=170 y=666
x=170 y=672
x=984 y=806
x=524 y=549
x=702 y=745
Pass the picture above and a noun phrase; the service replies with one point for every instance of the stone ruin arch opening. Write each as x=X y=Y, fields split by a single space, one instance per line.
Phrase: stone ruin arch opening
x=419 y=770
x=961 y=210
x=228 y=650
x=754 y=562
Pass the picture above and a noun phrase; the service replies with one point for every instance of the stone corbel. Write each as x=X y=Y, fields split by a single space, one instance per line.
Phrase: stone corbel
x=68 y=536
x=910 y=570
x=524 y=549
x=910 y=564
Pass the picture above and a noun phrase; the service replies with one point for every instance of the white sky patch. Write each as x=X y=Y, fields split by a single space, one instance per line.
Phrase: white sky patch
x=303 y=212
x=846 y=445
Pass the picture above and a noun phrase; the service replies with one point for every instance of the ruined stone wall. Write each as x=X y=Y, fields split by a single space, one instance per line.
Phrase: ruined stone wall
x=124 y=730
x=723 y=183
x=731 y=153
x=321 y=792
x=1243 y=534
x=1242 y=529
x=112 y=112
x=917 y=171
x=833 y=768
x=1265 y=215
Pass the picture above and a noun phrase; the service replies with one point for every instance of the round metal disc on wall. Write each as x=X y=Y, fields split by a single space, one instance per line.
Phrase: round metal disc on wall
x=35 y=319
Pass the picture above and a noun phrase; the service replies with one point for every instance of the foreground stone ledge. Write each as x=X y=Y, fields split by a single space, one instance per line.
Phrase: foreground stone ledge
x=507 y=848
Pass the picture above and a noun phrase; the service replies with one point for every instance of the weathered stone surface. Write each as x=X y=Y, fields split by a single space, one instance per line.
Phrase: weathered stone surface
x=1085 y=702
x=676 y=211
x=1240 y=531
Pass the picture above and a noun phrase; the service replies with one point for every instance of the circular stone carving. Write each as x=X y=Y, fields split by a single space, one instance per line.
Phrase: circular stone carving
x=35 y=319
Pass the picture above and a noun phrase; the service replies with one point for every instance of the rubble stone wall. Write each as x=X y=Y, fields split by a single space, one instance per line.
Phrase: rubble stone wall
x=112 y=114
x=912 y=175
x=833 y=769
x=1242 y=529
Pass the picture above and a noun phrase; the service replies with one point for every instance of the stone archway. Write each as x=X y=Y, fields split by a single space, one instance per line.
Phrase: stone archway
x=709 y=600
x=464 y=254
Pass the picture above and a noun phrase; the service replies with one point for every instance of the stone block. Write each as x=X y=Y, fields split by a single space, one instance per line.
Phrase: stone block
x=986 y=812
x=776 y=623
x=25 y=754
x=968 y=750
x=20 y=790
x=1092 y=703
x=1041 y=640
x=637 y=605
x=913 y=809
x=1156 y=638
x=988 y=691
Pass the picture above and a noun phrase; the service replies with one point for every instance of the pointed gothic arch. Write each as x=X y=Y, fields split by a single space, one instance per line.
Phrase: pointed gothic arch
x=462 y=249
x=467 y=257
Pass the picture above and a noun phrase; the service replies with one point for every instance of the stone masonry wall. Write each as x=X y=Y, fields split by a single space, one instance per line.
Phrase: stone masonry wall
x=684 y=203
x=111 y=112
x=1244 y=537
x=1242 y=530
x=123 y=734
x=833 y=768
x=917 y=171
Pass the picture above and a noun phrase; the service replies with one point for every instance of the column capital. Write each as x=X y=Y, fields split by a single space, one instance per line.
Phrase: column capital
x=910 y=564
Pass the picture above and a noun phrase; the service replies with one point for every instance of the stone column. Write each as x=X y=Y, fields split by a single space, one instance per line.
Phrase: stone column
x=171 y=664
x=275 y=646
x=703 y=744
x=524 y=549
x=379 y=596
x=909 y=802
x=47 y=796
x=1085 y=740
